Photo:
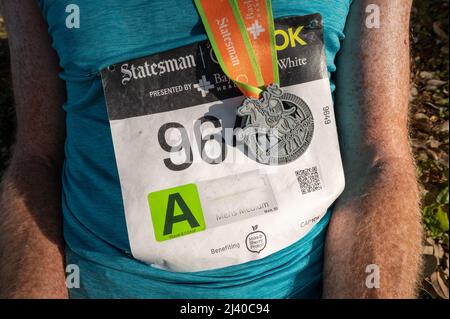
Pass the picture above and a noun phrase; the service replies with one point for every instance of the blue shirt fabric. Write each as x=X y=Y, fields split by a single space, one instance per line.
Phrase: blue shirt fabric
x=95 y=232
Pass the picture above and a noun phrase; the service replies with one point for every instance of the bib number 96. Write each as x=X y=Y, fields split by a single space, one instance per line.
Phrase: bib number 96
x=183 y=144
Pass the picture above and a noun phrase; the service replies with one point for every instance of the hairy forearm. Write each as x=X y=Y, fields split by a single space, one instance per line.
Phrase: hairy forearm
x=31 y=244
x=376 y=221
x=31 y=251
x=376 y=225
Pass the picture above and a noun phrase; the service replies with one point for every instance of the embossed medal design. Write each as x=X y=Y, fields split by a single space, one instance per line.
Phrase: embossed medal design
x=278 y=125
x=278 y=128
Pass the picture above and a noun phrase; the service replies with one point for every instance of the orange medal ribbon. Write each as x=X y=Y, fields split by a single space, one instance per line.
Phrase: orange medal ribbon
x=242 y=35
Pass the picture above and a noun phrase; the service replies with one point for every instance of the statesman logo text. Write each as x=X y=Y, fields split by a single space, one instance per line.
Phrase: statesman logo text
x=130 y=72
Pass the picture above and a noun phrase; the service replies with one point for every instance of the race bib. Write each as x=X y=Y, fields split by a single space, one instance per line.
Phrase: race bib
x=194 y=197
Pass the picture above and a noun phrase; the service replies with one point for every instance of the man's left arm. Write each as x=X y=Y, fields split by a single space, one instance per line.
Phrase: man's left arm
x=375 y=228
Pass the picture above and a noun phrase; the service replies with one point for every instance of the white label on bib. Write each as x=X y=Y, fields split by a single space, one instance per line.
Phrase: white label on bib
x=194 y=200
x=233 y=198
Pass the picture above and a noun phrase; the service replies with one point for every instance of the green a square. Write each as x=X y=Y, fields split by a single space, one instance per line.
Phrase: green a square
x=176 y=212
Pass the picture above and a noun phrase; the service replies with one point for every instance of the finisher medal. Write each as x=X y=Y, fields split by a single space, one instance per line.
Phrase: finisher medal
x=278 y=126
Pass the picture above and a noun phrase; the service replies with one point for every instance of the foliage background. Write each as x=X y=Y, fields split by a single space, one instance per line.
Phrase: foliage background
x=428 y=128
x=430 y=136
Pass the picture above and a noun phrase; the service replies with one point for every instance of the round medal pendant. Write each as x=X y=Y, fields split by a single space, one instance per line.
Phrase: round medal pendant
x=278 y=127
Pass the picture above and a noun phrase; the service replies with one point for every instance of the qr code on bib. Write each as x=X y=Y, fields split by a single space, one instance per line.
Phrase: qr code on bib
x=308 y=180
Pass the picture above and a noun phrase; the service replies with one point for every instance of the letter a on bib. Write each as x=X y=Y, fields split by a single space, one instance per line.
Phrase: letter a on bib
x=176 y=212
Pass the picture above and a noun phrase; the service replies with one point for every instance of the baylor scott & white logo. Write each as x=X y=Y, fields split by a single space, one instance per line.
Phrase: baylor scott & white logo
x=203 y=86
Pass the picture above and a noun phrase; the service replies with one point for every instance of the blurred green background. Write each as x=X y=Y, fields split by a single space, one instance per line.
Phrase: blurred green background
x=428 y=129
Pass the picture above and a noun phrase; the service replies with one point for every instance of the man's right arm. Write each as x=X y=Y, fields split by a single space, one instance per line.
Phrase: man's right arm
x=31 y=244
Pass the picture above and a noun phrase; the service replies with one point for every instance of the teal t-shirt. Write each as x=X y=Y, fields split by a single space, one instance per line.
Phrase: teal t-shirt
x=95 y=230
